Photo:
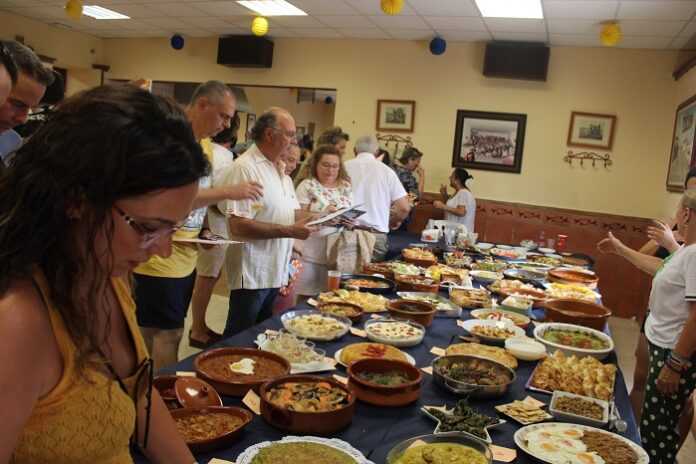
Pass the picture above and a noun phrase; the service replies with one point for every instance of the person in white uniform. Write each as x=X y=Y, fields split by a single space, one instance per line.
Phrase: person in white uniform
x=379 y=190
x=461 y=206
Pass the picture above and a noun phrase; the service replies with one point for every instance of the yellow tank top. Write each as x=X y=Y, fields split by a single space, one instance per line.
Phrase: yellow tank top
x=78 y=421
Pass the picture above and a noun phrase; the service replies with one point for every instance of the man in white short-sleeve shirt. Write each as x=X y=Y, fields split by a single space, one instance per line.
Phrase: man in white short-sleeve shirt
x=257 y=269
x=377 y=188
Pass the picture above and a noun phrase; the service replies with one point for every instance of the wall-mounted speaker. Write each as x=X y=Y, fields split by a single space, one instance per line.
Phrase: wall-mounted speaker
x=516 y=60
x=245 y=51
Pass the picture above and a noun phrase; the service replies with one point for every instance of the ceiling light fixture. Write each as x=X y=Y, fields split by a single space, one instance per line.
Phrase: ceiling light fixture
x=272 y=7
x=98 y=12
x=519 y=9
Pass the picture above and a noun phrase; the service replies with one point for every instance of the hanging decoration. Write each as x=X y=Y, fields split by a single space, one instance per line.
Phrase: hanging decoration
x=73 y=8
x=177 y=42
x=259 y=26
x=391 y=7
x=610 y=34
x=438 y=46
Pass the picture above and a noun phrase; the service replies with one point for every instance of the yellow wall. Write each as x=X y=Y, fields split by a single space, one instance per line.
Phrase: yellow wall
x=74 y=51
x=635 y=85
x=321 y=114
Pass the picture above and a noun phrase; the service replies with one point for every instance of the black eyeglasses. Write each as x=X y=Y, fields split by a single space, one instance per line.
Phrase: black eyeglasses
x=8 y=62
x=144 y=370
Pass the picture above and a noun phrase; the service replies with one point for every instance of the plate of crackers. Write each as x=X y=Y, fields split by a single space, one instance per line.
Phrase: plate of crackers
x=524 y=412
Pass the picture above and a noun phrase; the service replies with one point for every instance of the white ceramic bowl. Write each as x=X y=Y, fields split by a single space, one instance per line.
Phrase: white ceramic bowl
x=471 y=323
x=563 y=416
x=569 y=350
x=546 y=250
x=506 y=247
x=525 y=349
x=484 y=246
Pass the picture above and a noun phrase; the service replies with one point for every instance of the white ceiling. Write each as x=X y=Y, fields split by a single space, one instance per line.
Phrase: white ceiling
x=646 y=24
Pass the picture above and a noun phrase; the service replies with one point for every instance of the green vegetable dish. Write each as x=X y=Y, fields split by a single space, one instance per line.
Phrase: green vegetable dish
x=441 y=453
x=294 y=452
x=389 y=378
x=584 y=340
x=463 y=419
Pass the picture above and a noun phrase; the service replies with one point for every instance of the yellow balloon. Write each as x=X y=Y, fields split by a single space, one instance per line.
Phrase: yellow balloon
x=73 y=9
x=610 y=35
x=391 y=7
x=259 y=26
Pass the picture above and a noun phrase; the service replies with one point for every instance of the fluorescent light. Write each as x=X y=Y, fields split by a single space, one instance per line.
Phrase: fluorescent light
x=527 y=9
x=98 y=12
x=272 y=8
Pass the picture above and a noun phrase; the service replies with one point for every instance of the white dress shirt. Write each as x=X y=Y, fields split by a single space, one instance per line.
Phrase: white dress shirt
x=376 y=186
x=259 y=263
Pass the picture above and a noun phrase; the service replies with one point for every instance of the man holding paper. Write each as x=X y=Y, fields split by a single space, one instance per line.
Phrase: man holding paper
x=257 y=269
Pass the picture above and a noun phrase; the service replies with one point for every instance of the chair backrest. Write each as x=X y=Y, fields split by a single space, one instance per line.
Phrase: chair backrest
x=461 y=228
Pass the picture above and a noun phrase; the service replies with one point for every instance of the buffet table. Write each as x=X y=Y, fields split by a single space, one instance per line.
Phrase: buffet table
x=375 y=430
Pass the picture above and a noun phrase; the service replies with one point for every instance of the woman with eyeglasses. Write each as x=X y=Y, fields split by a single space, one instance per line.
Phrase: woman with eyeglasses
x=326 y=191
x=97 y=190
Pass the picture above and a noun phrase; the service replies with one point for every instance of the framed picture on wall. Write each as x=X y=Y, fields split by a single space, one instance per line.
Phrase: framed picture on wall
x=591 y=130
x=251 y=120
x=681 y=157
x=396 y=115
x=490 y=141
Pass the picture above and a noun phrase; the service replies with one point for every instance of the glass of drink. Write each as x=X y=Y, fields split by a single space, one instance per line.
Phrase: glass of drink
x=551 y=243
x=334 y=280
x=562 y=240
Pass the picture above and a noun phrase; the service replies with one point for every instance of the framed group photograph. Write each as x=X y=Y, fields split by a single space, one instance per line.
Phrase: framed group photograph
x=396 y=115
x=682 y=154
x=591 y=130
x=251 y=120
x=491 y=141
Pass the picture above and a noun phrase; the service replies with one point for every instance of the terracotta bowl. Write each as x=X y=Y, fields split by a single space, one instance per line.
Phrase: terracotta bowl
x=424 y=316
x=411 y=283
x=578 y=312
x=537 y=296
x=306 y=423
x=569 y=276
x=420 y=262
x=357 y=311
x=221 y=441
x=379 y=268
x=384 y=395
x=231 y=387
x=164 y=384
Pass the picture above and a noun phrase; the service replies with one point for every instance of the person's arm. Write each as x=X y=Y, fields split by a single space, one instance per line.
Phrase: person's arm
x=164 y=444
x=668 y=379
x=661 y=235
x=242 y=191
x=251 y=228
x=401 y=209
x=31 y=362
x=645 y=263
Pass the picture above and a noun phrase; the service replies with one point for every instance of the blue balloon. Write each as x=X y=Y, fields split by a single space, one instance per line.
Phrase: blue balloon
x=438 y=46
x=177 y=42
x=328 y=100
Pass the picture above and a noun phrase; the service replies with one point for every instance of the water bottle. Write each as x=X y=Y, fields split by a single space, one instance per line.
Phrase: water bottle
x=542 y=240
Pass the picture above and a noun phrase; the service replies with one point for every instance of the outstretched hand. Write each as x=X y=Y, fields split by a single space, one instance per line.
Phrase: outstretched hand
x=610 y=244
x=245 y=191
x=300 y=230
x=662 y=234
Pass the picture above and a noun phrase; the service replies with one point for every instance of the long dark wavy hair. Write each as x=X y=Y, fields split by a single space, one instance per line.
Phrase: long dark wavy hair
x=105 y=144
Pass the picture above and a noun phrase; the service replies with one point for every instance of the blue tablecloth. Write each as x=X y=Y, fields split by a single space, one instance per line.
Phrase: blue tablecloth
x=375 y=430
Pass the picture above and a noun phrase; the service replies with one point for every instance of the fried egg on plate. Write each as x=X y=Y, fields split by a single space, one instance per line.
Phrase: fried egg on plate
x=587 y=458
x=550 y=451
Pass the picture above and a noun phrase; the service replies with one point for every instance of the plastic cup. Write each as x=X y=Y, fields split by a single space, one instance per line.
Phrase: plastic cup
x=551 y=243
x=333 y=280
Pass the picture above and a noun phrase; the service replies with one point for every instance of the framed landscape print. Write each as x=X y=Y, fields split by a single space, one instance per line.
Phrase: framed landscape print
x=396 y=115
x=681 y=157
x=491 y=141
x=591 y=130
